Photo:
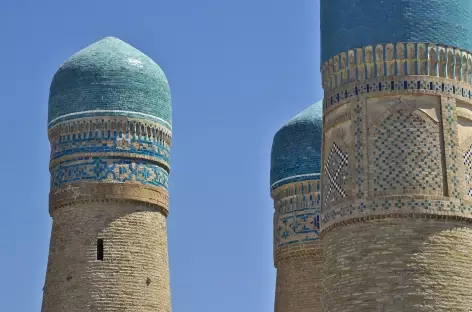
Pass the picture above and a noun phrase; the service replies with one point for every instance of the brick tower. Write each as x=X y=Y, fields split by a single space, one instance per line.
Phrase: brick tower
x=397 y=141
x=110 y=134
x=295 y=189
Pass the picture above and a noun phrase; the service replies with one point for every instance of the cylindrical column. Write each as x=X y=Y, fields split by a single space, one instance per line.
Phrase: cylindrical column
x=297 y=250
x=108 y=246
x=295 y=189
x=110 y=135
x=396 y=213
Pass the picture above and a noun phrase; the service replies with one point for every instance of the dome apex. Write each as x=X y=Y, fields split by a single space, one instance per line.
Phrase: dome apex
x=110 y=77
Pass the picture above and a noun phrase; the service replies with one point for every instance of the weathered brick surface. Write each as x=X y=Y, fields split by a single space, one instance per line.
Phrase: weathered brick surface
x=395 y=230
x=134 y=274
x=298 y=287
x=297 y=248
x=110 y=133
x=398 y=265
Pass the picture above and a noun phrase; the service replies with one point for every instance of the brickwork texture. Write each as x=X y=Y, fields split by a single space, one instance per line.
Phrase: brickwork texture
x=134 y=272
x=396 y=221
x=110 y=134
x=395 y=227
x=295 y=189
x=398 y=264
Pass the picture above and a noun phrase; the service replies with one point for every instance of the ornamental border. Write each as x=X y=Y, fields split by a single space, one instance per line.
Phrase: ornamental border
x=119 y=124
x=105 y=112
x=100 y=192
x=299 y=251
x=397 y=59
x=424 y=85
x=435 y=207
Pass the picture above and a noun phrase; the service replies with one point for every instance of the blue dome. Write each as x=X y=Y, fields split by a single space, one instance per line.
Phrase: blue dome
x=296 y=149
x=349 y=24
x=110 y=77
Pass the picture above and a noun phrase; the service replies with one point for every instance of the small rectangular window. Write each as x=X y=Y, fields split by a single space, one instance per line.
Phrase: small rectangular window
x=100 y=249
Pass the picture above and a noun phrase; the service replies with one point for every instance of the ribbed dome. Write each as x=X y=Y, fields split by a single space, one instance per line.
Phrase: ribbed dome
x=113 y=78
x=296 y=149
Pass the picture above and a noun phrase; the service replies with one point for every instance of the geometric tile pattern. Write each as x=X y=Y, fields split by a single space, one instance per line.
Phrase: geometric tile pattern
x=296 y=227
x=336 y=173
x=397 y=85
x=358 y=146
x=115 y=170
x=406 y=155
x=468 y=170
x=108 y=141
x=405 y=205
x=451 y=145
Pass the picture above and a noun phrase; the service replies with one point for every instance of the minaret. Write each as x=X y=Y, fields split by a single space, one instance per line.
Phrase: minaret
x=397 y=141
x=295 y=189
x=110 y=134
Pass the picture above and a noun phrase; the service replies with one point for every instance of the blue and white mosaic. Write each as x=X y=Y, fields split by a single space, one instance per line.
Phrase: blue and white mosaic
x=468 y=171
x=108 y=141
x=427 y=85
x=336 y=173
x=114 y=170
x=301 y=226
x=296 y=148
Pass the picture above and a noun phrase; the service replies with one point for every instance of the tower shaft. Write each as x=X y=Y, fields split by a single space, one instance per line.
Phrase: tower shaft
x=297 y=251
x=396 y=212
x=133 y=274
x=110 y=130
x=109 y=204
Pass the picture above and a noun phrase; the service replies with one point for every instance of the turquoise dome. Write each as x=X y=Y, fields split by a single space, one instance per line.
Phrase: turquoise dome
x=349 y=24
x=110 y=77
x=296 y=149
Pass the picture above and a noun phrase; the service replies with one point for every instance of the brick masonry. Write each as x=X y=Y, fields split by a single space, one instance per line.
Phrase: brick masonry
x=396 y=220
x=297 y=249
x=299 y=285
x=134 y=273
x=110 y=135
x=295 y=189
x=398 y=264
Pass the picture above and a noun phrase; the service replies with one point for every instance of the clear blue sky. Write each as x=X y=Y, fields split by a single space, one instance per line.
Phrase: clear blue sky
x=237 y=69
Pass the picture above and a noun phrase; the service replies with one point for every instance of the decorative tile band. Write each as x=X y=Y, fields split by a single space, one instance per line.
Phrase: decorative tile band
x=396 y=206
x=400 y=59
x=112 y=170
x=114 y=136
x=297 y=216
x=397 y=85
x=109 y=113
x=300 y=226
x=297 y=195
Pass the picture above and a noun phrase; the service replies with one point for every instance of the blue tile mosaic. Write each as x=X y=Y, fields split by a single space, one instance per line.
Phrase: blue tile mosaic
x=113 y=170
x=296 y=149
x=110 y=142
x=349 y=24
x=300 y=227
x=110 y=77
x=427 y=85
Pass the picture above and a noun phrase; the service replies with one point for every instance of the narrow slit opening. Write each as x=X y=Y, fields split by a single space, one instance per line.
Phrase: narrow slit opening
x=100 y=249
